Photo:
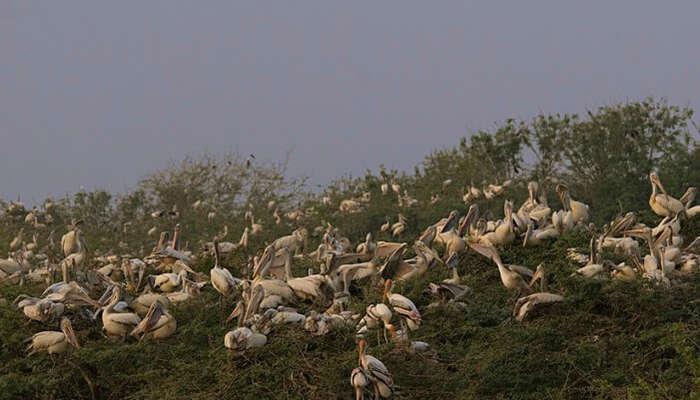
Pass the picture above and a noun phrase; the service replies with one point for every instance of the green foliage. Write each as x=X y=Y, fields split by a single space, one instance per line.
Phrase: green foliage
x=608 y=340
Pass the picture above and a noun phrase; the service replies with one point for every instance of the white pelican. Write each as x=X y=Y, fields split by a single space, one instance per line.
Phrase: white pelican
x=377 y=372
x=399 y=227
x=663 y=204
x=17 y=241
x=243 y=338
x=534 y=237
x=255 y=228
x=385 y=226
x=623 y=272
x=272 y=287
x=579 y=210
x=350 y=272
x=157 y=324
x=595 y=265
x=53 y=342
x=72 y=241
x=504 y=234
x=143 y=302
x=10 y=269
x=42 y=310
x=115 y=324
x=510 y=276
x=451 y=289
x=166 y=282
x=221 y=278
x=525 y=304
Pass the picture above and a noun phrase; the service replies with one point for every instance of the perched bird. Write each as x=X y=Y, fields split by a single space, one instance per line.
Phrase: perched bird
x=53 y=342
x=377 y=372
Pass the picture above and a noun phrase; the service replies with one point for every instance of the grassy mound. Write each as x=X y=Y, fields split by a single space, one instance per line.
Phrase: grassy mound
x=608 y=340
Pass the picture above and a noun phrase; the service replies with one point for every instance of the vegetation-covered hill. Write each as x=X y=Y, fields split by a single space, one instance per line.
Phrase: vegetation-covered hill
x=608 y=339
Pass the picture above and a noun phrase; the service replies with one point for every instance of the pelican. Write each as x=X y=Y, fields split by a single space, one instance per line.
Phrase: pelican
x=385 y=226
x=255 y=228
x=510 y=276
x=221 y=278
x=41 y=310
x=368 y=246
x=563 y=221
x=504 y=234
x=530 y=203
x=451 y=289
x=578 y=210
x=525 y=304
x=272 y=287
x=623 y=272
x=351 y=272
x=157 y=324
x=167 y=282
x=242 y=338
x=116 y=324
x=398 y=227
x=72 y=241
x=408 y=269
x=53 y=342
x=377 y=372
x=595 y=265
x=662 y=204
x=17 y=241
x=308 y=287
x=534 y=237
x=142 y=304
x=541 y=276
x=10 y=269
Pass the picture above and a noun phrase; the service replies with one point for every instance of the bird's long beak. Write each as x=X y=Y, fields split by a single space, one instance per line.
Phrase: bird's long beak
x=106 y=296
x=638 y=233
x=481 y=249
x=657 y=181
x=236 y=313
x=665 y=234
x=70 y=335
x=452 y=261
x=471 y=214
x=11 y=276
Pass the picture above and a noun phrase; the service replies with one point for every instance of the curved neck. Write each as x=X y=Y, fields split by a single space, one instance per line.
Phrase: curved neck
x=455 y=275
x=288 y=267
x=111 y=305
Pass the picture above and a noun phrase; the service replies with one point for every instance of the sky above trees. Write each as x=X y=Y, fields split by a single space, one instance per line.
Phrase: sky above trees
x=100 y=94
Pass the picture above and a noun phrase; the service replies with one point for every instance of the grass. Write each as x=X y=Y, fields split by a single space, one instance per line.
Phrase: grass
x=608 y=340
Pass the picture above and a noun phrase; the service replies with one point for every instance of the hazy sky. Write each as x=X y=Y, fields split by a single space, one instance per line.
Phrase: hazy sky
x=99 y=93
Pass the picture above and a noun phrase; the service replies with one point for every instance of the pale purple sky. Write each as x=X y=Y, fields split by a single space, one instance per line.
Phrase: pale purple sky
x=99 y=94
